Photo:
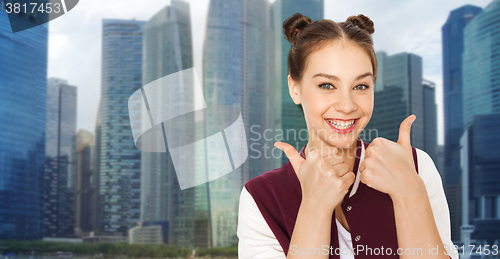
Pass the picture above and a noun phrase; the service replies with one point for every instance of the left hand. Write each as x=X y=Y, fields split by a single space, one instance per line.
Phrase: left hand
x=388 y=167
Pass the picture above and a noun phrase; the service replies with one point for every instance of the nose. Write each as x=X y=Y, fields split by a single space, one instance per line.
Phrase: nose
x=345 y=103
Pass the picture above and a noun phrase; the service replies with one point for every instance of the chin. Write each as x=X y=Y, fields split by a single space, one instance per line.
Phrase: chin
x=344 y=142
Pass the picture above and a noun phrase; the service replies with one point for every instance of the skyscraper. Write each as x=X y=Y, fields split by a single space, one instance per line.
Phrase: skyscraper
x=23 y=86
x=167 y=50
x=236 y=62
x=96 y=179
x=60 y=160
x=398 y=94
x=453 y=46
x=481 y=166
x=440 y=161
x=481 y=113
x=120 y=160
x=288 y=116
x=202 y=220
x=85 y=211
x=430 y=119
x=481 y=93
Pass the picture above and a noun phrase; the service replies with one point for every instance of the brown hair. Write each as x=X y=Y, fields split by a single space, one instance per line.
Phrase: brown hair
x=307 y=36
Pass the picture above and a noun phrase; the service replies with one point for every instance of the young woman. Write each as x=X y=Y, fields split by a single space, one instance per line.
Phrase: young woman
x=341 y=197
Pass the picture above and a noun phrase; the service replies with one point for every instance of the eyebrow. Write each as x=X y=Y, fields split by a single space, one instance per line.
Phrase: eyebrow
x=332 y=77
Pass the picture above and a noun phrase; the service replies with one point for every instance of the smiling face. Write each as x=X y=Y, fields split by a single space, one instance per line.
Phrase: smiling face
x=337 y=94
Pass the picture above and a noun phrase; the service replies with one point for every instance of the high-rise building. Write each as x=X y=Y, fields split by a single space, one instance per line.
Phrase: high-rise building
x=481 y=166
x=167 y=50
x=85 y=184
x=399 y=92
x=440 y=161
x=23 y=84
x=288 y=117
x=236 y=62
x=481 y=93
x=153 y=232
x=120 y=160
x=202 y=220
x=430 y=119
x=60 y=160
x=96 y=179
x=481 y=109
x=453 y=46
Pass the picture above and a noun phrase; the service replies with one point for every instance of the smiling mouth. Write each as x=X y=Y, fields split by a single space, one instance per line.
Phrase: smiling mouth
x=341 y=125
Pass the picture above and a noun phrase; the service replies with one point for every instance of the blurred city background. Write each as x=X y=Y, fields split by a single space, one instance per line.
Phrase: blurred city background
x=73 y=181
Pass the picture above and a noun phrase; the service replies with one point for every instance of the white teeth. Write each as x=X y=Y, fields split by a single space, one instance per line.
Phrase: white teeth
x=342 y=125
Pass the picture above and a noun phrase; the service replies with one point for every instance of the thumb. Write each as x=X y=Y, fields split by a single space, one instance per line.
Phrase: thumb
x=295 y=158
x=404 y=131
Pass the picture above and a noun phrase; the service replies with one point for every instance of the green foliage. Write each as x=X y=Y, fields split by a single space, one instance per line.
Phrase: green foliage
x=113 y=249
x=107 y=249
x=218 y=251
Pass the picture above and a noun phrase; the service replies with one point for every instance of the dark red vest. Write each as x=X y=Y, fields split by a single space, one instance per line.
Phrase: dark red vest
x=370 y=216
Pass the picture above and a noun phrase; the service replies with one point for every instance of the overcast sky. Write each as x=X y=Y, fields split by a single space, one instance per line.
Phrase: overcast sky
x=75 y=38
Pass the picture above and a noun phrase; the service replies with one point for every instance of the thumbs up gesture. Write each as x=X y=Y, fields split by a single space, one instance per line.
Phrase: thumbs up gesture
x=323 y=175
x=388 y=167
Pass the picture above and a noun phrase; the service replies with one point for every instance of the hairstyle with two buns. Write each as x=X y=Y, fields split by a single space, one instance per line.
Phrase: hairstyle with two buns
x=307 y=36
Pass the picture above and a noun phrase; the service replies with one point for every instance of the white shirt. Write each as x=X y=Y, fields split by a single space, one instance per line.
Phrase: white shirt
x=256 y=239
x=345 y=242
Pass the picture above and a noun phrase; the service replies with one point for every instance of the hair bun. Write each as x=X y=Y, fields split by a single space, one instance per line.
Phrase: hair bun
x=363 y=22
x=294 y=25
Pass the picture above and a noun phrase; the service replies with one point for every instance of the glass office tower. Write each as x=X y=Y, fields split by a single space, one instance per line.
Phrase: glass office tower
x=167 y=50
x=60 y=160
x=430 y=120
x=480 y=166
x=480 y=63
x=23 y=86
x=236 y=63
x=453 y=46
x=96 y=176
x=398 y=94
x=481 y=109
x=120 y=160
x=85 y=189
x=288 y=116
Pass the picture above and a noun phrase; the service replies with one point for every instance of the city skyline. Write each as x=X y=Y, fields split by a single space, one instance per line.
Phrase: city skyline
x=236 y=73
x=80 y=29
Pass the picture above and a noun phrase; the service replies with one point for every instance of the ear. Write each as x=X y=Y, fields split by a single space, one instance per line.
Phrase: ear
x=293 y=89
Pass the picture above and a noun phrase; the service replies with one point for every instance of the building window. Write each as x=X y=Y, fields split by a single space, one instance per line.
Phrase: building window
x=455 y=78
x=490 y=207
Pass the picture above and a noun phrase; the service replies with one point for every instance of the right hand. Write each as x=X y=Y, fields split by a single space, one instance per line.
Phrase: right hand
x=324 y=177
